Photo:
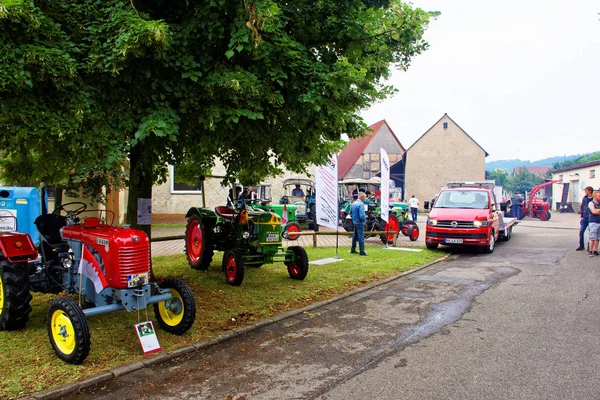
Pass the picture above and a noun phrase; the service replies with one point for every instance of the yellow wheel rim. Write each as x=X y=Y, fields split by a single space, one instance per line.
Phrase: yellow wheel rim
x=1 y=296
x=63 y=333
x=171 y=311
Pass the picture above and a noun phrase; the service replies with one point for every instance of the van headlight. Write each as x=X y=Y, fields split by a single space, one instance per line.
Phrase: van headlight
x=480 y=224
x=432 y=222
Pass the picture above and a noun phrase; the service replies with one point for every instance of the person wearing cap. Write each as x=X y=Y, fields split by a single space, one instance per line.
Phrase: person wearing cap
x=584 y=213
x=594 y=207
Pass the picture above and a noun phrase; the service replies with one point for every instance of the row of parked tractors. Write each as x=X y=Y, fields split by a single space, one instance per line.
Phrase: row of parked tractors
x=107 y=268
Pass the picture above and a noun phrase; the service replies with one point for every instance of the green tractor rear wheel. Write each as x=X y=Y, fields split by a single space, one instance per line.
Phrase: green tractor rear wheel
x=298 y=266
x=14 y=296
x=233 y=266
x=68 y=330
x=198 y=244
x=177 y=315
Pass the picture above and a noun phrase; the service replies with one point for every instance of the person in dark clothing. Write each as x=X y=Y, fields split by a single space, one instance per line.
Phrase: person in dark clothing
x=516 y=206
x=584 y=213
x=594 y=207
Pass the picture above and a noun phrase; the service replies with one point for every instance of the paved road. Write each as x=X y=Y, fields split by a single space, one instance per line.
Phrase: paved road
x=521 y=323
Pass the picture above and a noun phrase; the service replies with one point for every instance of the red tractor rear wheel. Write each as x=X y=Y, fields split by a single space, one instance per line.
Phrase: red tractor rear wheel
x=391 y=226
x=198 y=244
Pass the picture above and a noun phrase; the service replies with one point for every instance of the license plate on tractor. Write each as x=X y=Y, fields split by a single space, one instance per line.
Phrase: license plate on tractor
x=272 y=237
x=135 y=280
x=455 y=241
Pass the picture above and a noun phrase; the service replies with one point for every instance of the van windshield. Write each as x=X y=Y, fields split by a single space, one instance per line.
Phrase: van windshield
x=462 y=199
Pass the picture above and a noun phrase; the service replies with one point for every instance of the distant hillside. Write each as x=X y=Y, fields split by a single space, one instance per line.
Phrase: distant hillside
x=509 y=165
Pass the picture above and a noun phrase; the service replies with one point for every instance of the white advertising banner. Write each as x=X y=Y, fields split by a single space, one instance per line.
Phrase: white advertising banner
x=384 y=188
x=327 y=194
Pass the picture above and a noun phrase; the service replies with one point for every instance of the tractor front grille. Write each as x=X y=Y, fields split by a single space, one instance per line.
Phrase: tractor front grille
x=133 y=260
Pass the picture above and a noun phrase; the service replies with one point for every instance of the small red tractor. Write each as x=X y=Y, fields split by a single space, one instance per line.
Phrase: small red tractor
x=106 y=266
x=536 y=207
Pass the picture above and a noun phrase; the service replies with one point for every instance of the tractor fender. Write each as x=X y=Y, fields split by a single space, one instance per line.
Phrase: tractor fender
x=204 y=213
x=17 y=247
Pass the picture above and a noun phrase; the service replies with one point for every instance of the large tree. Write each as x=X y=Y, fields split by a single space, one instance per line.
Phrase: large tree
x=255 y=84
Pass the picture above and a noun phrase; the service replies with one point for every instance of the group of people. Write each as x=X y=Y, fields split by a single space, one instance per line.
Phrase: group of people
x=590 y=219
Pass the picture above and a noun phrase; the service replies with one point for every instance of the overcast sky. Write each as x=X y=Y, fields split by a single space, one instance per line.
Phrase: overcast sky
x=522 y=78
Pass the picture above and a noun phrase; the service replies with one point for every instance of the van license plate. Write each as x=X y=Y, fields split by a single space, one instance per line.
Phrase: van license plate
x=453 y=240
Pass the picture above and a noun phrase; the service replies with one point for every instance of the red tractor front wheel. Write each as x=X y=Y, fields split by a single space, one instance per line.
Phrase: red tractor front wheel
x=544 y=216
x=233 y=266
x=298 y=264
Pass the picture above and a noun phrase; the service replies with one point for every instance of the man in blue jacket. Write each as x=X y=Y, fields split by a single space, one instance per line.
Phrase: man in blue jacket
x=357 y=212
x=584 y=213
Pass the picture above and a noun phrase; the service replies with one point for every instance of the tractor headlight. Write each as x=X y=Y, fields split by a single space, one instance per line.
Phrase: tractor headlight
x=432 y=222
x=67 y=262
x=246 y=235
x=479 y=224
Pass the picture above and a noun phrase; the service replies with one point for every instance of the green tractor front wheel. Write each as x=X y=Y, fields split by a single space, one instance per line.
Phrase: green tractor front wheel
x=298 y=262
x=68 y=330
x=14 y=296
x=176 y=315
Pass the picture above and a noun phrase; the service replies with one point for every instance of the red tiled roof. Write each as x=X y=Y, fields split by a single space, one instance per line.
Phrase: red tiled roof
x=355 y=148
x=538 y=170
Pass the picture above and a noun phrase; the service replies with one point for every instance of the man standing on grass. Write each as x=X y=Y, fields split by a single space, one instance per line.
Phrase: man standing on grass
x=594 y=207
x=357 y=212
x=584 y=213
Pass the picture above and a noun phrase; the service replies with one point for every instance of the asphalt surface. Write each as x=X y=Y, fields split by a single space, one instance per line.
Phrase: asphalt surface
x=521 y=323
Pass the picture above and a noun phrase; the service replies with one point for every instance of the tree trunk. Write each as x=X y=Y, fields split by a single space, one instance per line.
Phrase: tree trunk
x=140 y=187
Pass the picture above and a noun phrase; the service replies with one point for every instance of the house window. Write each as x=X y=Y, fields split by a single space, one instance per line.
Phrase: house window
x=183 y=187
x=592 y=173
x=445 y=125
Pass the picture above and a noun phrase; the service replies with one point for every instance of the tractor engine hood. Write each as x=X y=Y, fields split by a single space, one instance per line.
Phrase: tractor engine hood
x=122 y=252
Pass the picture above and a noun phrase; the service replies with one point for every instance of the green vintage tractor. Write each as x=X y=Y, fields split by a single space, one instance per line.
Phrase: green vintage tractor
x=246 y=234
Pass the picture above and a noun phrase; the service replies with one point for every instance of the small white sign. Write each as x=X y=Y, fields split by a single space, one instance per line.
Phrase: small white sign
x=144 y=214
x=8 y=220
x=147 y=335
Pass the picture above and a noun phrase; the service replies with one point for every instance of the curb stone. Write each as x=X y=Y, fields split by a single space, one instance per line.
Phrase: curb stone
x=101 y=377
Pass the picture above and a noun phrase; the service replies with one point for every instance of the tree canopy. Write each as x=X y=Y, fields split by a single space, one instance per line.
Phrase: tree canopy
x=94 y=88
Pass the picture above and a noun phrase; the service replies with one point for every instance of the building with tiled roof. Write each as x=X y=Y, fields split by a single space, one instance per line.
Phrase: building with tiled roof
x=360 y=157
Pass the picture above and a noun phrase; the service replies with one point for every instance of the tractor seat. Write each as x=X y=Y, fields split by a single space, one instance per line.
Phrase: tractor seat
x=49 y=227
x=225 y=212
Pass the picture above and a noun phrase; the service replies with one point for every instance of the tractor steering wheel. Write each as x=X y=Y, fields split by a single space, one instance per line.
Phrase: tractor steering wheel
x=73 y=213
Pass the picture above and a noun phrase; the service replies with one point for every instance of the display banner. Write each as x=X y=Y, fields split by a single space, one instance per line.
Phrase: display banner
x=384 y=188
x=327 y=194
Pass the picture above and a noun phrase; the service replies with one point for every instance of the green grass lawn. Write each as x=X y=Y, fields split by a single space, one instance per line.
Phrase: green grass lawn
x=29 y=364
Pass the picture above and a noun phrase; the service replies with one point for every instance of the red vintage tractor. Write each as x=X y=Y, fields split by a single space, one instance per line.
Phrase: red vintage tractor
x=106 y=266
x=537 y=207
